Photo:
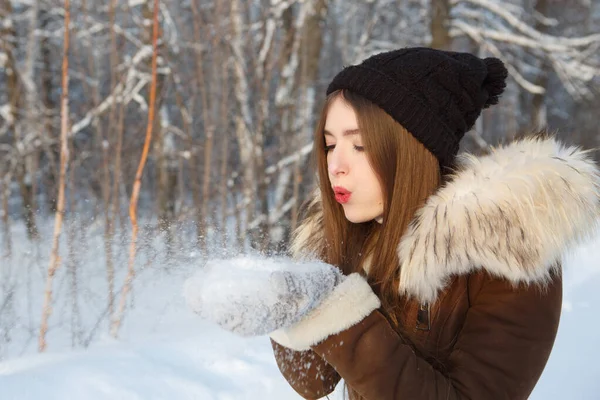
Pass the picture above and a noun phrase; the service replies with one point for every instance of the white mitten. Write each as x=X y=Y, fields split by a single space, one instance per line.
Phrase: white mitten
x=252 y=296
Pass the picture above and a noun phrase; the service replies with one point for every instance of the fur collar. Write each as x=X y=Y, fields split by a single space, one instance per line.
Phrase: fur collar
x=513 y=212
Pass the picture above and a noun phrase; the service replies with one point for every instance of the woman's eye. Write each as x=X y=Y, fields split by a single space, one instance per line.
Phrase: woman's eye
x=329 y=148
x=359 y=148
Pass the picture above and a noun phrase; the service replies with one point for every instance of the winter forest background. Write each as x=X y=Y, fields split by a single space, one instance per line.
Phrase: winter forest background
x=175 y=131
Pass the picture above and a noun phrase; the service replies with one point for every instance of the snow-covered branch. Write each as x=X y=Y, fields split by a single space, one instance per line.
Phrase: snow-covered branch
x=123 y=93
x=571 y=58
x=287 y=160
x=474 y=34
x=517 y=23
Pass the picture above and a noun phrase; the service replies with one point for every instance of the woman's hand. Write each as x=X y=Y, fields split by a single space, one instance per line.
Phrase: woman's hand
x=252 y=296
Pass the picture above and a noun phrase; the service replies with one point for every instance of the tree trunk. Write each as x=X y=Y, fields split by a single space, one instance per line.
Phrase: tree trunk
x=26 y=190
x=111 y=203
x=138 y=177
x=52 y=150
x=539 y=113
x=207 y=119
x=25 y=132
x=224 y=170
x=7 y=38
x=5 y=188
x=243 y=120
x=23 y=165
x=166 y=162
x=54 y=256
x=74 y=250
x=440 y=25
x=304 y=37
x=224 y=188
x=187 y=119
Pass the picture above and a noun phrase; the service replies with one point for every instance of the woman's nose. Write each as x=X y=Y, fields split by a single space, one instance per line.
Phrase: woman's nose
x=337 y=162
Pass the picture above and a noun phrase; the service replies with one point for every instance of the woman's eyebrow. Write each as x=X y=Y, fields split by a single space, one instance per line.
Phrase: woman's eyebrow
x=348 y=132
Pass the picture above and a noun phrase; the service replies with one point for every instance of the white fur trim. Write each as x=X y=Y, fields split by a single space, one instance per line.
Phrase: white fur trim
x=349 y=303
x=513 y=212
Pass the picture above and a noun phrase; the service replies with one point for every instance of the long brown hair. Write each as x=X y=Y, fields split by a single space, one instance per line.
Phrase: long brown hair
x=408 y=174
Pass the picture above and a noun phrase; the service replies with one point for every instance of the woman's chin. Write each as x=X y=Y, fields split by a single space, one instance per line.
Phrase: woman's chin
x=356 y=218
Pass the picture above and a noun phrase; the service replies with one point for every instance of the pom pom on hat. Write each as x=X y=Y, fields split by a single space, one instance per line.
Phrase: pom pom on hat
x=495 y=81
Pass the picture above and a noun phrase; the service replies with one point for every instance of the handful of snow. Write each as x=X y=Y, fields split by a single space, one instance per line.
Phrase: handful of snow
x=253 y=296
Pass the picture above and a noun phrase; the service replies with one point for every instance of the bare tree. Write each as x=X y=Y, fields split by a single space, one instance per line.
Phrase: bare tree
x=538 y=112
x=60 y=206
x=164 y=146
x=116 y=323
x=5 y=194
x=111 y=207
x=209 y=125
x=296 y=101
x=22 y=150
x=26 y=132
x=7 y=37
x=49 y=141
x=440 y=25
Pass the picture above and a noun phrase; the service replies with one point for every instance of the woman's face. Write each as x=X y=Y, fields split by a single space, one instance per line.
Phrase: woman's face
x=353 y=181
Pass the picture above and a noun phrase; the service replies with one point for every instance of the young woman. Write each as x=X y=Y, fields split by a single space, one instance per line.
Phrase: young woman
x=451 y=279
x=467 y=273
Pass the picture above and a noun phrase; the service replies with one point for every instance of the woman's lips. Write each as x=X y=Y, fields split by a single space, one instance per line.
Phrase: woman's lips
x=342 y=195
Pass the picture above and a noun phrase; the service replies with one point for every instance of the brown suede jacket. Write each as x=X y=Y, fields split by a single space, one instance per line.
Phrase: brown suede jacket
x=480 y=282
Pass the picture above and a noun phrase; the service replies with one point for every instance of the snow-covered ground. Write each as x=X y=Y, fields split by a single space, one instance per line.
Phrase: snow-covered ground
x=165 y=351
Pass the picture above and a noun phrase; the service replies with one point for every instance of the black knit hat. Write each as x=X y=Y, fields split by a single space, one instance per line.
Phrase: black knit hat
x=436 y=95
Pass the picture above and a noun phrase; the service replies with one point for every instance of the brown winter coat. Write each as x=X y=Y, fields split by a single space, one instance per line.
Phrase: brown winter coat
x=481 y=286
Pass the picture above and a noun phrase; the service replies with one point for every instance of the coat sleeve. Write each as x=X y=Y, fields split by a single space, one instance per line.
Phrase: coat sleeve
x=306 y=372
x=312 y=377
x=500 y=352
